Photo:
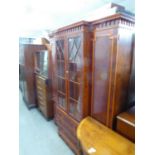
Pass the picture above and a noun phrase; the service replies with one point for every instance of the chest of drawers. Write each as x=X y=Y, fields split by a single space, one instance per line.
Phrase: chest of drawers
x=43 y=96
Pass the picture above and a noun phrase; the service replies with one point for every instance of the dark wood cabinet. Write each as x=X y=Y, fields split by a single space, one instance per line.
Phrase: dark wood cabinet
x=112 y=59
x=28 y=84
x=36 y=78
x=72 y=63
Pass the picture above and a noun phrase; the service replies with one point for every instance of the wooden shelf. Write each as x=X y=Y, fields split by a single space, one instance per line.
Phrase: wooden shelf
x=60 y=77
x=73 y=99
x=62 y=93
x=74 y=82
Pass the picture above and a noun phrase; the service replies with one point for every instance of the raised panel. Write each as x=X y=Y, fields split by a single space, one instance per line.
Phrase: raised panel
x=102 y=57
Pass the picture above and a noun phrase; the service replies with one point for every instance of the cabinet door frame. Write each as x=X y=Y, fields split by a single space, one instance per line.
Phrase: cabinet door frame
x=112 y=58
x=56 y=73
x=81 y=35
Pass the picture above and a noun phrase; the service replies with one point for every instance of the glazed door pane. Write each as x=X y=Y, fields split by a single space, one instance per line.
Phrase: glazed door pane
x=74 y=68
x=42 y=63
x=102 y=55
x=60 y=74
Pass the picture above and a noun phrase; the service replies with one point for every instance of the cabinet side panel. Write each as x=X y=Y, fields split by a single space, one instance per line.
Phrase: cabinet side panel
x=122 y=73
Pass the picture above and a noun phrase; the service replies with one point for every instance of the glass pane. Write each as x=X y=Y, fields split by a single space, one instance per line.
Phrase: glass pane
x=74 y=48
x=71 y=89
x=75 y=58
x=74 y=72
x=74 y=67
x=74 y=90
x=75 y=109
x=42 y=63
x=61 y=100
x=60 y=67
x=61 y=73
x=60 y=49
x=70 y=44
x=45 y=63
x=61 y=85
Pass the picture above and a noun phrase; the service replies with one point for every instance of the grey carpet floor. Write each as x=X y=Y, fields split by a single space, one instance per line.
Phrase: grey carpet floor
x=38 y=136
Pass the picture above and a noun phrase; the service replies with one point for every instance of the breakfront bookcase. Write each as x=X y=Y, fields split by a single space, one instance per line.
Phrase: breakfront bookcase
x=43 y=82
x=111 y=69
x=72 y=62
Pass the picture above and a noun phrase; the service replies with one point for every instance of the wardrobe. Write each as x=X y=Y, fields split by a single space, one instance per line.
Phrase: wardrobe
x=111 y=69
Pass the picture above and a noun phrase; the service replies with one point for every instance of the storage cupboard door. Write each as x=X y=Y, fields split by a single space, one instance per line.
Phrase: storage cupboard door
x=75 y=76
x=60 y=74
x=101 y=77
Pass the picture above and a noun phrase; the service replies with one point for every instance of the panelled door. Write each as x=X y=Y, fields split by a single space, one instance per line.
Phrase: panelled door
x=103 y=61
x=69 y=75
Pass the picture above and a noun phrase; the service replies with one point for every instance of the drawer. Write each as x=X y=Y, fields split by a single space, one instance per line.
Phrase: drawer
x=41 y=94
x=41 y=88
x=69 y=135
x=41 y=84
x=42 y=101
x=126 y=124
x=66 y=122
x=40 y=81
x=43 y=109
x=125 y=129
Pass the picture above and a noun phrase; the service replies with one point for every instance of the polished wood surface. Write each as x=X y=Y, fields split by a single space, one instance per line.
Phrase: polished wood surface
x=43 y=81
x=112 y=62
x=126 y=124
x=95 y=138
x=45 y=103
x=72 y=76
x=92 y=67
x=67 y=128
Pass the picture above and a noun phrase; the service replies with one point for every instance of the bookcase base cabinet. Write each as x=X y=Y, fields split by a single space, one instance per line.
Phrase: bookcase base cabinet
x=67 y=129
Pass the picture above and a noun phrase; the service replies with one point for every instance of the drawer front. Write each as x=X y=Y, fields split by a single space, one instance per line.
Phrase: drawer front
x=43 y=109
x=69 y=135
x=66 y=124
x=41 y=94
x=40 y=81
x=41 y=101
x=126 y=130
x=41 y=88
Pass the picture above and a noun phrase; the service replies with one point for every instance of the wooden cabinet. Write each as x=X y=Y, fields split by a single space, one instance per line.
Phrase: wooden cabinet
x=45 y=103
x=43 y=83
x=72 y=63
x=28 y=83
x=112 y=58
